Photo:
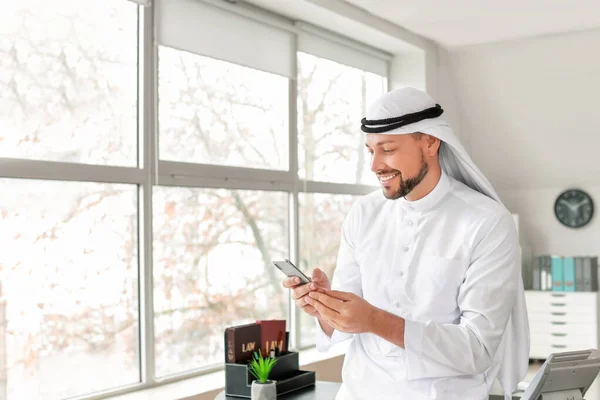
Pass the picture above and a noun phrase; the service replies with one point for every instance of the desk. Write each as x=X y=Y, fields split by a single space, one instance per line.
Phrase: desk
x=321 y=391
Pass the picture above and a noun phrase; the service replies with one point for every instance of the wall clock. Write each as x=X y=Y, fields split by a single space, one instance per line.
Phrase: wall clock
x=574 y=208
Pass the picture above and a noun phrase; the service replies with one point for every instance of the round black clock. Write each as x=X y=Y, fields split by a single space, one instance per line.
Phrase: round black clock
x=574 y=208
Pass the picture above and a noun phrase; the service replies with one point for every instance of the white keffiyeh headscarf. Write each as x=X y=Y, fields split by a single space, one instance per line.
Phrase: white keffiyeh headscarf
x=408 y=110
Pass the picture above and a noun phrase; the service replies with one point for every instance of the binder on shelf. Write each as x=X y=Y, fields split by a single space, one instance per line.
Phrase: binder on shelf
x=594 y=266
x=565 y=274
x=590 y=274
x=579 y=274
x=557 y=273
x=535 y=270
x=568 y=274
x=548 y=268
x=544 y=278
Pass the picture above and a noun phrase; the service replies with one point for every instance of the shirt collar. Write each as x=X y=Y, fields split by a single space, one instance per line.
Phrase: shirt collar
x=430 y=200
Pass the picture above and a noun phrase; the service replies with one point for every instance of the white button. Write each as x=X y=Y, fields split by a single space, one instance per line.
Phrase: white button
x=410 y=223
x=406 y=248
x=401 y=273
x=396 y=304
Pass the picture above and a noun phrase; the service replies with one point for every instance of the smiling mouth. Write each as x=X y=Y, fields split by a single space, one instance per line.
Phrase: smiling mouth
x=388 y=177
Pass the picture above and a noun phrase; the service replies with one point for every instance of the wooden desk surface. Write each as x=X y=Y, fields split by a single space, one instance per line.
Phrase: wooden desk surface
x=321 y=391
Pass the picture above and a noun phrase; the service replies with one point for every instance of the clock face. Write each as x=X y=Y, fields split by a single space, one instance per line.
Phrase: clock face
x=574 y=208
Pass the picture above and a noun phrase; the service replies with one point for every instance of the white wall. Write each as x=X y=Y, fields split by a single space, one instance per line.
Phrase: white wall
x=528 y=111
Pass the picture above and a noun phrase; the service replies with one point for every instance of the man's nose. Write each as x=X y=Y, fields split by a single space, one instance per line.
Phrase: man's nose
x=376 y=164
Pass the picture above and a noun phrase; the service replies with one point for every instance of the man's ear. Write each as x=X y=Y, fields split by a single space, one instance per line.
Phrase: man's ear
x=432 y=145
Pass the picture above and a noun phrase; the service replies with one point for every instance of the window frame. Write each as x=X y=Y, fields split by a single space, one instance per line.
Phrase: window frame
x=151 y=171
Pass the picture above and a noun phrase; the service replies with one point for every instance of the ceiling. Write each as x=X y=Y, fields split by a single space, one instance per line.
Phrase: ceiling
x=466 y=22
x=452 y=23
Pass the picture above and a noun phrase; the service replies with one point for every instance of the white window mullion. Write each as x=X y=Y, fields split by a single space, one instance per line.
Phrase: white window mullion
x=61 y=171
x=147 y=151
x=294 y=215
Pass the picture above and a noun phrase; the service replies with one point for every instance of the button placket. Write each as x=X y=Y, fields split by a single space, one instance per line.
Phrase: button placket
x=410 y=233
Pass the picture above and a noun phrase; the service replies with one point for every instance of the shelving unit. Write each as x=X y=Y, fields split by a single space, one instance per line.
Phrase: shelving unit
x=562 y=321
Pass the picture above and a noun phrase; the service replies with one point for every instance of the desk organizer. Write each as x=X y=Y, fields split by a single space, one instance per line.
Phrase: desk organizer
x=286 y=373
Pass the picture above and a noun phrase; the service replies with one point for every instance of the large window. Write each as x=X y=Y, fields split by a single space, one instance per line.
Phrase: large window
x=149 y=182
x=69 y=298
x=332 y=99
x=215 y=112
x=68 y=88
x=213 y=247
x=323 y=213
x=69 y=280
x=212 y=255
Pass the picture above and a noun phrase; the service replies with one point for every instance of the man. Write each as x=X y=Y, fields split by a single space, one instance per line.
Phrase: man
x=428 y=278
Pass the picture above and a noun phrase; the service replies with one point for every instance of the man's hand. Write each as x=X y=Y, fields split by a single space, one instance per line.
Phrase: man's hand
x=300 y=290
x=344 y=311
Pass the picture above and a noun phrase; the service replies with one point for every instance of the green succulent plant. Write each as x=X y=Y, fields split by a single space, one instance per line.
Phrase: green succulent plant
x=261 y=367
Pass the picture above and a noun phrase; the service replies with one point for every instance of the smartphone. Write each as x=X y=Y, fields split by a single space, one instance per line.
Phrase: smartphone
x=288 y=268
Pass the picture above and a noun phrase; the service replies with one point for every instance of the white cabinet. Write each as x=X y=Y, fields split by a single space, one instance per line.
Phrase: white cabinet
x=562 y=321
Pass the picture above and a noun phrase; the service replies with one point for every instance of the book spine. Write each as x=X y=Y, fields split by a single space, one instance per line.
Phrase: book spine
x=557 y=274
x=536 y=273
x=548 y=268
x=230 y=347
x=568 y=274
x=587 y=274
x=544 y=278
x=594 y=273
x=578 y=274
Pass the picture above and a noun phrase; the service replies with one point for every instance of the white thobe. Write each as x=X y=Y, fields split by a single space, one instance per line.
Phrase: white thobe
x=449 y=264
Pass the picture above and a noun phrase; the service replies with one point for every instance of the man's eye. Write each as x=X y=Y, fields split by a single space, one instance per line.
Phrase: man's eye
x=388 y=151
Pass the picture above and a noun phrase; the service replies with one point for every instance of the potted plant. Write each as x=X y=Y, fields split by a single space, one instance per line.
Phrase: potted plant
x=260 y=368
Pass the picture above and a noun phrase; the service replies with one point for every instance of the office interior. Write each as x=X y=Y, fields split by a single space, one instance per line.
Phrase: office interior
x=156 y=155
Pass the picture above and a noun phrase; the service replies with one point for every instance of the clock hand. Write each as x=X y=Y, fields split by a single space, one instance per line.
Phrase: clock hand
x=568 y=204
x=582 y=202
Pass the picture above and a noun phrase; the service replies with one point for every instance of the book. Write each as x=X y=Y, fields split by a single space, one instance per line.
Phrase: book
x=543 y=278
x=590 y=274
x=579 y=274
x=594 y=263
x=569 y=274
x=273 y=336
x=548 y=273
x=557 y=274
x=545 y=273
x=241 y=342
x=537 y=264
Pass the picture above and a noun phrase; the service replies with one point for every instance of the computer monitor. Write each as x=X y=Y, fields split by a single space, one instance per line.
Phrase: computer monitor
x=564 y=376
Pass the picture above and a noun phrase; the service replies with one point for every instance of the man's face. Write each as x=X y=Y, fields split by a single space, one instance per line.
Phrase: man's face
x=398 y=161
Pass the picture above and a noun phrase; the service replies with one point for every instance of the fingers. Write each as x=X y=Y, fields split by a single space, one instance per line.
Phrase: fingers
x=337 y=294
x=330 y=302
x=301 y=302
x=322 y=309
x=316 y=273
x=319 y=276
x=310 y=310
x=307 y=308
x=302 y=290
x=291 y=282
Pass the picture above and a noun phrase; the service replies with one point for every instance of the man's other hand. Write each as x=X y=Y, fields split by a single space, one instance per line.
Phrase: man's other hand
x=344 y=311
x=300 y=290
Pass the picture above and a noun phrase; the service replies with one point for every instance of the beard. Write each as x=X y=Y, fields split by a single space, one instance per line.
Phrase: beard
x=408 y=185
